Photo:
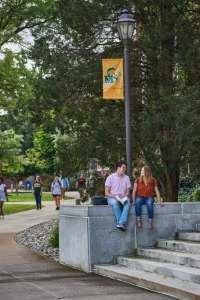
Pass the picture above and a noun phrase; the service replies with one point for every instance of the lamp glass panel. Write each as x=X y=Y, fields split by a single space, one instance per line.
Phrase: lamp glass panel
x=124 y=29
x=131 y=26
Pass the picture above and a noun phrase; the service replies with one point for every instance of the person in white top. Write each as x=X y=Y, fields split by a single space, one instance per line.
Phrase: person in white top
x=56 y=191
x=3 y=194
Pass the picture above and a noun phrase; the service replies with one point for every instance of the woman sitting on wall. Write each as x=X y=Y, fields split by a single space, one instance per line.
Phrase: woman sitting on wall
x=144 y=189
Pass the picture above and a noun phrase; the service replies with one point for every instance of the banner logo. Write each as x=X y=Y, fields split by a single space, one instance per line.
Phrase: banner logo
x=113 y=83
x=113 y=75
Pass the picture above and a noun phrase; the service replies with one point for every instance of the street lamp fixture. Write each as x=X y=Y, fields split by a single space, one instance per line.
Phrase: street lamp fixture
x=126 y=26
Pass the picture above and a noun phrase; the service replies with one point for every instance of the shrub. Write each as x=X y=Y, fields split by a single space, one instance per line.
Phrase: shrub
x=196 y=194
x=54 y=239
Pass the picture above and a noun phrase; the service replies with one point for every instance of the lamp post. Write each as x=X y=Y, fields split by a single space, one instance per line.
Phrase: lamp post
x=126 y=25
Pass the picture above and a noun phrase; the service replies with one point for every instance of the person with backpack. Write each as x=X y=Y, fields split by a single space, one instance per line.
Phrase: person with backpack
x=64 y=186
x=56 y=191
x=37 y=188
x=144 y=189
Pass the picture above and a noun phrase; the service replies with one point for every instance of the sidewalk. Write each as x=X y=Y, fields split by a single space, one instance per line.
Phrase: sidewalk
x=25 y=274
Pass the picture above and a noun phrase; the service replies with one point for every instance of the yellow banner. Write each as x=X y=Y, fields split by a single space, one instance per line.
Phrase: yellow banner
x=113 y=79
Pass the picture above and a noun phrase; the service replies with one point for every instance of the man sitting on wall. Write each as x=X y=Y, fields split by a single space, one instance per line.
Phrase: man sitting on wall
x=117 y=190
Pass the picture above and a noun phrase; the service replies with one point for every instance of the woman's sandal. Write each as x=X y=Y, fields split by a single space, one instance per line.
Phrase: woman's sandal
x=139 y=223
x=150 y=226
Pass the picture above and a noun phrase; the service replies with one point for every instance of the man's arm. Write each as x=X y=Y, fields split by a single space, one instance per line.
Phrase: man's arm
x=108 y=194
x=127 y=193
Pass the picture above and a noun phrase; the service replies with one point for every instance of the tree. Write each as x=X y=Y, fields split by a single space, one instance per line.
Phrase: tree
x=164 y=83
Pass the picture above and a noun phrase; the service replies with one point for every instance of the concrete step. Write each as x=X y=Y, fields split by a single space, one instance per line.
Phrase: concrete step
x=183 y=246
x=162 y=268
x=198 y=227
x=189 y=236
x=151 y=281
x=181 y=258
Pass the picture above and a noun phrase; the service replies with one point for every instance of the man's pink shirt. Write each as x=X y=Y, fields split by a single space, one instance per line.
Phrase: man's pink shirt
x=118 y=184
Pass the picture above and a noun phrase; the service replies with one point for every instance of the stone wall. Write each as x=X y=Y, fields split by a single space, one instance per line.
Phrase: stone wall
x=88 y=234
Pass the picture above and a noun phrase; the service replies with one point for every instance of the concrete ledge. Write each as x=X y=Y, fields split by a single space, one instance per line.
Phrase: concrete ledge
x=88 y=234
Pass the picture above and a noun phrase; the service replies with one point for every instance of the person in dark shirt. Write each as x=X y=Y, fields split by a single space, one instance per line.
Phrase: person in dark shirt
x=37 y=188
x=81 y=186
x=81 y=182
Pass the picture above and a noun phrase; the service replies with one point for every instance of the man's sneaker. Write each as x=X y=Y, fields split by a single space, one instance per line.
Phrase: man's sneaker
x=1 y=217
x=121 y=227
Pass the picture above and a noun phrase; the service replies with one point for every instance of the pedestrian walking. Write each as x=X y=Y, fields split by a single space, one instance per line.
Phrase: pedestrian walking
x=37 y=188
x=56 y=191
x=3 y=194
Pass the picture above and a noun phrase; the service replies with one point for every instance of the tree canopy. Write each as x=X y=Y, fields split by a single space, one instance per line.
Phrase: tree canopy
x=70 y=40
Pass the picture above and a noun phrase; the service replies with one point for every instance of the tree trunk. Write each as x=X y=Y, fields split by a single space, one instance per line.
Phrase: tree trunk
x=170 y=186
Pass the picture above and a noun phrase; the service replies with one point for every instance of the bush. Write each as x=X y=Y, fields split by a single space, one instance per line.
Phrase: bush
x=54 y=239
x=196 y=194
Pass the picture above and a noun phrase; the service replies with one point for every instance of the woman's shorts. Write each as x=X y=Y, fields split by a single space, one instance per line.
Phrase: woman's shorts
x=56 y=195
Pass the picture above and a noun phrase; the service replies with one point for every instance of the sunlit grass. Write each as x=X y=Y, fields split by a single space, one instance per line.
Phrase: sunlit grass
x=29 y=197
x=9 y=209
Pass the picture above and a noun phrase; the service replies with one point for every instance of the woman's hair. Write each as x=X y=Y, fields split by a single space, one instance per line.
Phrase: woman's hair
x=40 y=181
x=1 y=179
x=58 y=180
x=147 y=175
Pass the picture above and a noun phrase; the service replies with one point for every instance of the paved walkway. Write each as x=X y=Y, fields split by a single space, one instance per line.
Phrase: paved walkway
x=27 y=275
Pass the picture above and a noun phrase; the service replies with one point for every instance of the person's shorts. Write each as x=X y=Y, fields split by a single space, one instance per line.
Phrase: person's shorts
x=64 y=189
x=2 y=199
x=55 y=195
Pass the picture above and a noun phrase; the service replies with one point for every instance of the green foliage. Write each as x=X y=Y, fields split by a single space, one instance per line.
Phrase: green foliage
x=54 y=239
x=196 y=194
x=98 y=188
x=77 y=124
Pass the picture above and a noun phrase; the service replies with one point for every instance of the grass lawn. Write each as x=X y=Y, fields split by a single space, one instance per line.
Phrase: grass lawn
x=28 y=197
x=9 y=209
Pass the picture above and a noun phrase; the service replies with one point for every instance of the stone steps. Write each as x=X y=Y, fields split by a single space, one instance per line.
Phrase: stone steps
x=189 y=236
x=151 y=281
x=173 y=268
x=181 y=258
x=183 y=246
x=162 y=268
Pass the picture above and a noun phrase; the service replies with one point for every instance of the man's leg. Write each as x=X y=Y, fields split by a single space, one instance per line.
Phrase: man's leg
x=116 y=207
x=125 y=211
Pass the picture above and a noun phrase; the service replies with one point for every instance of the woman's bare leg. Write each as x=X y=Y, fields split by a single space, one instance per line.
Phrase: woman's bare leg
x=1 y=208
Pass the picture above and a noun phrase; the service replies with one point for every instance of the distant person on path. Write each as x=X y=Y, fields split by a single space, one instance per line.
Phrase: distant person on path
x=56 y=191
x=3 y=194
x=81 y=182
x=117 y=187
x=64 y=186
x=28 y=184
x=37 y=188
x=81 y=185
x=91 y=181
x=144 y=189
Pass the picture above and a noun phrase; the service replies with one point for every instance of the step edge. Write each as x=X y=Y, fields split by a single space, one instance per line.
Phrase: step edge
x=143 y=283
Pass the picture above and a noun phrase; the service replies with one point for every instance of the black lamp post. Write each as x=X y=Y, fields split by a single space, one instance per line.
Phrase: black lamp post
x=126 y=26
